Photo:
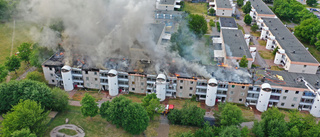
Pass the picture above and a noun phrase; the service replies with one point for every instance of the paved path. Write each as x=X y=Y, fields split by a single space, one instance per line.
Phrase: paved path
x=163 y=129
x=25 y=73
x=55 y=132
x=248 y=124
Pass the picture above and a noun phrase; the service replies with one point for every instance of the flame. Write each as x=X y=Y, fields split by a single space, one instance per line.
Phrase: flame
x=224 y=65
x=135 y=70
x=81 y=61
x=124 y=58
x=177 y=74
x=61 y=53
x=236 y=67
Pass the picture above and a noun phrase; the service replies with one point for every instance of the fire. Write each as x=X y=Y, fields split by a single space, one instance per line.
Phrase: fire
x=135 y=70
x=124 y=58
x=177 y=74
x=81 y=61
x=224 y=65
x=61 y=53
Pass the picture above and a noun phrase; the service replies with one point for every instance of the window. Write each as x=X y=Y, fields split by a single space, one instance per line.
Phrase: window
x=191 y=82
x=181 y=87
x=304 y=66
x=242 y=93
x=282 y=104
x=88 y=85
x=286 y=91
x=292 y=105
x=284 y=97
x=191 y=88
x=231 y=92
x=95 y=73
x=233 y=86
x=181 y=81
x=240 y=100
x=243 y=87
x=50 y=68
x=190 y=95
x=230 y=99
x=96 y=79
x=86 y=72
x=87 y=78
x=142 y=83
x=295 y=99
x=52 y=80
x=133 y=82
x=142 y=89
x=133 y=89
x=51 y=75
x=297 y=92
x=97 y=85
x=174 y=81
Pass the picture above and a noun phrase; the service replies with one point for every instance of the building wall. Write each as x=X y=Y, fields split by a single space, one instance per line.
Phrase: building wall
x=137 y=83
x=49 y=75
x=237 y=93
x=289 y=98
x=224 y=12
x=303 y=69
x=165 y=7
x=91 y=79
x=186 y=87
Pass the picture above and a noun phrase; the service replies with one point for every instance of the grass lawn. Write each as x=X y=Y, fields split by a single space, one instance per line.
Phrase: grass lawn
x=95 y=127
x=134 y=97
x=68 y=131
x=178 y=103
x=266 y=54
x=195 y=8
x=262 y=42
x=241 y=28
x=276 y=68
x=80 y=93
x=175 y=130
x=21 y=35
x=256 y=34
x=153 y=125
x=247 y=113
x=20 y=71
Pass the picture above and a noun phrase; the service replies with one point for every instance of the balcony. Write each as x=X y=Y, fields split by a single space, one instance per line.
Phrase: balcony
x=201 y=93
x=201 y=87
x=103 y=77
x=200 y=98
x=306 y=103
x=223 y=89
x=168 y=94
x=308 y=97
x=253 y=91
x=276 y=94
x=123 y=86
x=78 y=81
x=77 y=75
x=221 y=95
x=123 y=79
x=150 y=82
x=273 y=100
x=251 y=98
x=102 y=83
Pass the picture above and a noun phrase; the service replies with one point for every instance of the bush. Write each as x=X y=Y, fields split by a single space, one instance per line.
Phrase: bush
x=211 y=23
x=218 y=26
x=254 y=27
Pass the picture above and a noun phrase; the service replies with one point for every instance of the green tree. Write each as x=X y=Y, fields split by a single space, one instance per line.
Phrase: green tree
x=212 y=11
x=13 y=91
x=258 y=129
x=206 y=131
x=197 y=24
x=186 y=134
x=245 y=132
x=116 y=110
x=240 y=3
x=274 y=52
x=25 y=51
x=39 y=55
x=192 y=115
x=230 y=115
x=211 y=23
x=243 y=62
x=307 y=30
x=312 y=3
x=182 y=41
x=246 y=8
x=12 y=63
x=254 y=27
x=175 y=116
x=36 y=76
x=230 y=131
x=136 y=120
x=26 y=114
x=3 y=9
x=152 y=105
x=104 y=109
x=25 y=132
x=301 y=124
x=3 y=73
x=247 y=19
x=60 y=99
x=218 y=26
x=293 y=132
x=89 y=107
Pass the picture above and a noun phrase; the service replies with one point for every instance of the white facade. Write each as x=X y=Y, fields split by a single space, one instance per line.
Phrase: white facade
x=315 y=110
x=264 y=96
x=264 y=32
x=253 y=51
x=67 y=78
x=270 y=43
x=113 y=83
x=211 y=92
x=279 y=55
x=247 y=38
x=161 y=87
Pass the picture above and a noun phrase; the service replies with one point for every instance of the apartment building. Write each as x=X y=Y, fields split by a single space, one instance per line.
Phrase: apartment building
x=260 y=9
x=223 y=8
x=292 y=54
x=168 y=5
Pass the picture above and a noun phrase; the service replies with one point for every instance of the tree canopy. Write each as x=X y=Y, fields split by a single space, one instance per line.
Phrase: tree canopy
x=25 y=115
x=243 y=62
x=254 y=27
x=230 y=131
x=89 y=107
x=312 y=3
x=152 y=105
x=212 y=11
x=240 y=3
x=39 y=55
x=12 y=63
x=25 y=132
x=246 y=8
x=197 y=24
x=229 y=114
x=247 y=19
x=36 y=76
x=24 y=51
x=3 y=73
x=123 y=113
x=308 y=30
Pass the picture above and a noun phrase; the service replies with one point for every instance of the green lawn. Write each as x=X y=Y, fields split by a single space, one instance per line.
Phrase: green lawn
x=240 y=28
x=178 y=103
x=95 y=127
x=20 y=71
x=247 y=113
x=196 y=8
x=68 y=132
x=134 y=97
x=22 y=34
x=276 y=68
x=262 y=42
x=175 y=130
x=266 y=54
x=256 y=34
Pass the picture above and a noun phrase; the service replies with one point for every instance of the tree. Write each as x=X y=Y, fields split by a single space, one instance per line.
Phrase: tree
x=36 y=76
x=230 y=115
x=24 y=51
x=136 y=120
x=175 y=116
x=89 y=107
x=254 y=27
x=312 y=3
x=186 y=134
x=247 y=19
x=211 y=23
x=212 y=11
x=60 y=99
x=206 y=131
x=239 y=3
x=12 y=63
x=274 y=52
x=152 y=105
x=243 y=62
x=26 y=114
x=182 y=41
x=25 y=132
x=197 y=24
x=230 y=131
x=245 y=132
x=258 y=129
x=3 y=9
x=13 y=91
x=3 y=73
x=246 y=8
x=218 y=26
x=307 y=30
x=39 y=55
x=104 y=109
x=268 y=1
